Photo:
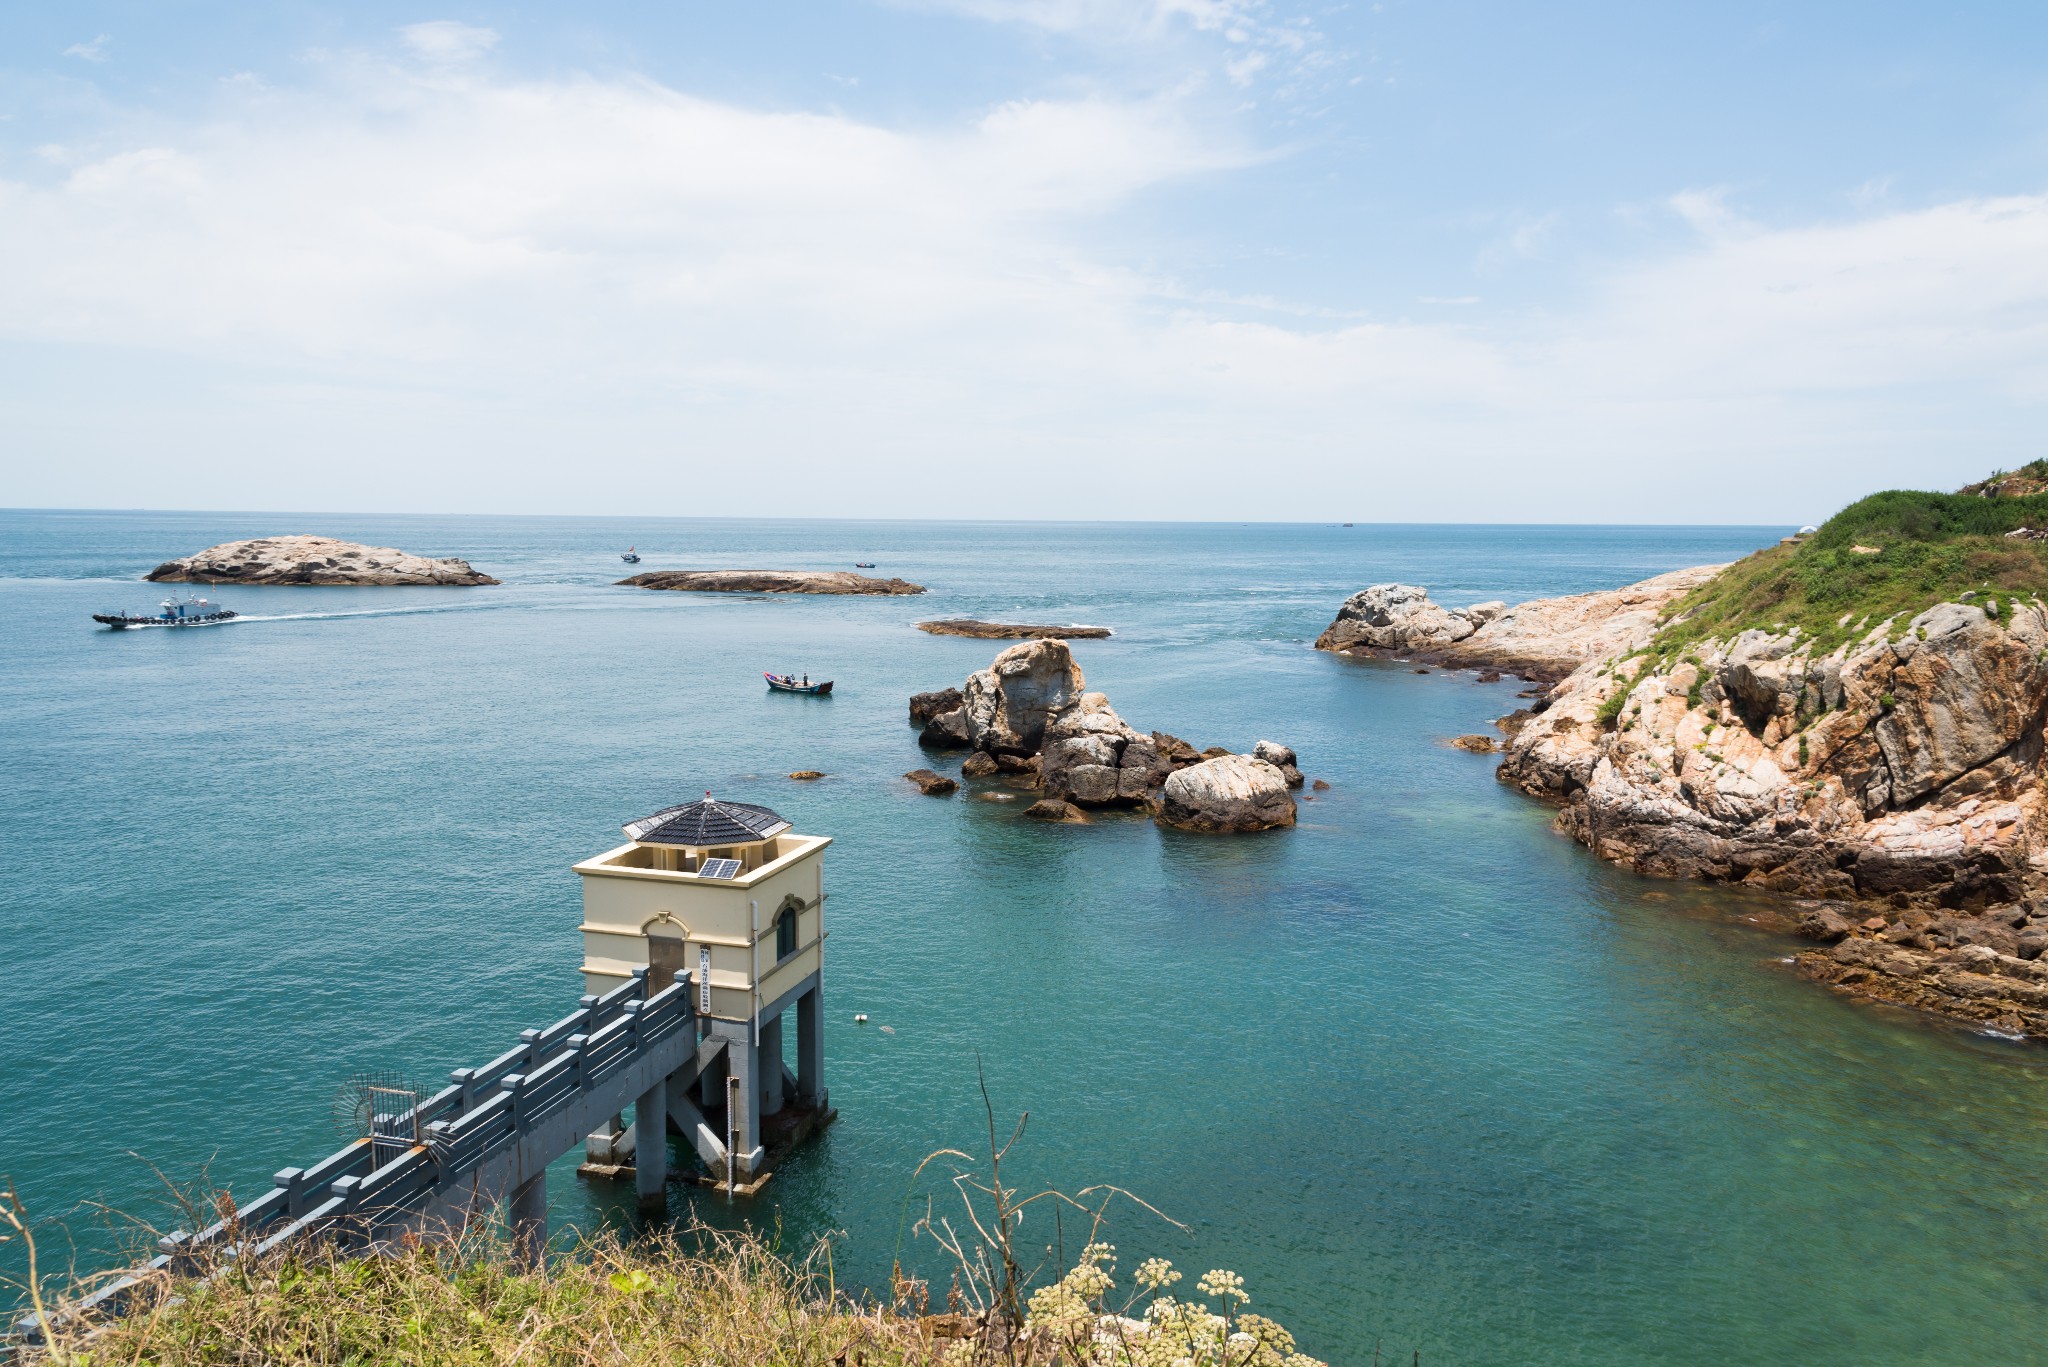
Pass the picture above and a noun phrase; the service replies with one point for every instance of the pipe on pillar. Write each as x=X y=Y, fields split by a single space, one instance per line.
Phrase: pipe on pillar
x=650 y=1148
x=810 y=1047
x=771 y=1066
x=529 y=1215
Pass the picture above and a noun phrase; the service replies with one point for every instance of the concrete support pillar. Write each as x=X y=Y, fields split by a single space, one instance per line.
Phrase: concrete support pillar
x=529 y=1216
x=711 y=1086
x=743 y=1061
x=650 y=1149
x=810 y=1047
x=771 y=1066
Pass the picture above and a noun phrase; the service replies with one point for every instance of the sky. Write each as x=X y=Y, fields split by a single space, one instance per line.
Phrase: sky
x=1087 y=259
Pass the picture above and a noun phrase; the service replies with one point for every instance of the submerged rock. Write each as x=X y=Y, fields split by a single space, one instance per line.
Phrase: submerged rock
x=1052 y=809
x=1234 y=793
x=314 y=560
x=1478 y=745
x=770 y=581
x=932 y=784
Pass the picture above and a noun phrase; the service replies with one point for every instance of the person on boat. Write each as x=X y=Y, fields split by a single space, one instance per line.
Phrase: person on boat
x=807 y=680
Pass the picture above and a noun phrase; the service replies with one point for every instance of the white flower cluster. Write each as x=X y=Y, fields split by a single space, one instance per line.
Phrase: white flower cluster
x=1173 y=1333
x=1224 y=1286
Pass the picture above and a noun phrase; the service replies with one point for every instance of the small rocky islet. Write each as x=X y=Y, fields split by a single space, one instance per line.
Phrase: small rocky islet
x=1874 y=744
x=316 y=560
x=1030 y=716
x=1010 y=631
x=770 y=581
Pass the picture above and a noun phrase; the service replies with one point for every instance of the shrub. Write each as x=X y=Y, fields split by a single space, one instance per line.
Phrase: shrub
x=1610 y=708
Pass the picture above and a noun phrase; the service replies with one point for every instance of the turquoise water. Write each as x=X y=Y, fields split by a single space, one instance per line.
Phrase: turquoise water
x=1420 y=1069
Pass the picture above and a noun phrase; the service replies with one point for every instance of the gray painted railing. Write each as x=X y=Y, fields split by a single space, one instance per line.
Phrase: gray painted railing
x=379 y=1182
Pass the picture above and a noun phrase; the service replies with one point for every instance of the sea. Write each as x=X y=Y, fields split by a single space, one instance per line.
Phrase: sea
x=1430 y=1077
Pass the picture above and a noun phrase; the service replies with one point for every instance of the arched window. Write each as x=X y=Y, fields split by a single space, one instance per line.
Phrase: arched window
x=785 y=934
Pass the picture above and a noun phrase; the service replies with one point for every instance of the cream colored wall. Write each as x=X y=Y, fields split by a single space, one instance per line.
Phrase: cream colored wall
x=619 y=903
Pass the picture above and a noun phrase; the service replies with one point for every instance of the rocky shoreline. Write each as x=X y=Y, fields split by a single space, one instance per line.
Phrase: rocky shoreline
x=1899 y=776
x=770 y=581
x=1010 y=631
x=317 y=560
x=1543 y=640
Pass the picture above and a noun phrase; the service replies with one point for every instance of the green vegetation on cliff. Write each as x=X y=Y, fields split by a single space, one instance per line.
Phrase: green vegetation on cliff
x=1891 y=555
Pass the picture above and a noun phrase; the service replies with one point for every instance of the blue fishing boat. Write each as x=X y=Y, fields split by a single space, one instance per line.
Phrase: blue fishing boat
x=789 y=683
x=174 y=612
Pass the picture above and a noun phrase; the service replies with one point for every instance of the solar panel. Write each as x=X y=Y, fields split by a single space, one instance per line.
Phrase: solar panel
x=719 y=868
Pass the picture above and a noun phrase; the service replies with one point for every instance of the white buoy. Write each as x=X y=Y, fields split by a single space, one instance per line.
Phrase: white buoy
x=861 y=1019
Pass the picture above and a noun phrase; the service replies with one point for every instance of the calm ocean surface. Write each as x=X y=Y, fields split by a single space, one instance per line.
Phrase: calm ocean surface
x=1420 y=1069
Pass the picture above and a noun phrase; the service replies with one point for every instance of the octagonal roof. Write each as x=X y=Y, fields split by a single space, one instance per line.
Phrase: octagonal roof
x=707 y=823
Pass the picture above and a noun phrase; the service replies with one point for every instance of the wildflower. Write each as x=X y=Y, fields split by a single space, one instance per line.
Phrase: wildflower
x=1225 y=1286
x=1155 y=1273
x=1057 y=1309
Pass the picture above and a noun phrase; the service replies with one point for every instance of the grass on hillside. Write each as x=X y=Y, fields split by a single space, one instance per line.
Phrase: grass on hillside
x=1930 y=548
x=733 y=1300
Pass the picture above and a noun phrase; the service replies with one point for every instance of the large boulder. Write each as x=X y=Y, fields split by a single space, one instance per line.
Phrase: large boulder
x=1398 y=617
x=1008 y=704
x=1229 y=794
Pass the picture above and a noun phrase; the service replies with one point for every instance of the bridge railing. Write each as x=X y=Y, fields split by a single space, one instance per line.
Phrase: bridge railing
x=378 y=1180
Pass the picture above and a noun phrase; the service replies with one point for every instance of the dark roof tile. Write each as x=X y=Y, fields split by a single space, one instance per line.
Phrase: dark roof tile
x=706 y=823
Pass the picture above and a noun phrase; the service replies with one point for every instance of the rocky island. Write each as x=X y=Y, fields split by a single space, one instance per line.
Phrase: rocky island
x=770 y=581
x=1010 y=631
x=1029 y=715
x=1854 y=716
x=313 y=560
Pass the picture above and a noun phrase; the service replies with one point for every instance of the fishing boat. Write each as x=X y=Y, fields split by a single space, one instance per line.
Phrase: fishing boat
x=631 y=557
x=863 y=564
x=789 y=683
x=174 y=612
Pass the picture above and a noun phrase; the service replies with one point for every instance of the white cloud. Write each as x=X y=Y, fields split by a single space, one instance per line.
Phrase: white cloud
x=597 y=295
x=94 y=51
x=446 y=41
x=1245 y=39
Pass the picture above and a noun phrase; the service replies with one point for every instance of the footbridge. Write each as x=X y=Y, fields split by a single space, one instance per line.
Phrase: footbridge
x=687 y=986
x=484 y=1142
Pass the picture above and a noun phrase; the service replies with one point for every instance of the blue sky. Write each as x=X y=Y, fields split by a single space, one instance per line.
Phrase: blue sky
x=1084 y=258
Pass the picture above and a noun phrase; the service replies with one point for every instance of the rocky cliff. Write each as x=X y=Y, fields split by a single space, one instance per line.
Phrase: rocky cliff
x=313 y=560
x=1904 y=766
